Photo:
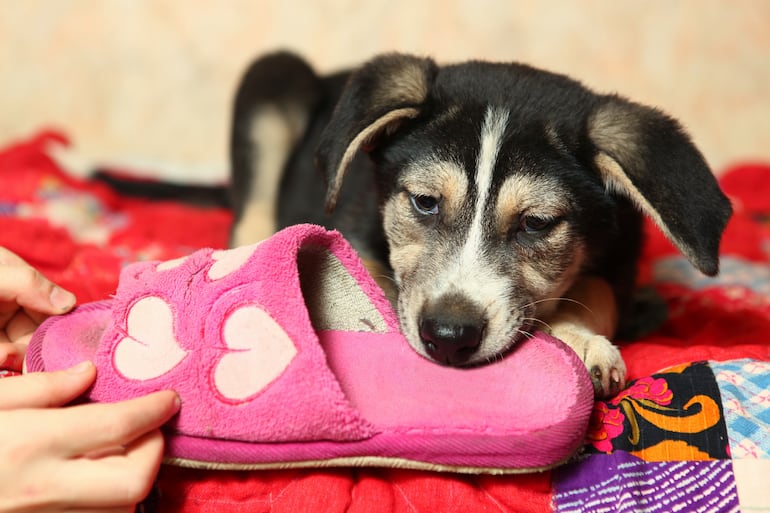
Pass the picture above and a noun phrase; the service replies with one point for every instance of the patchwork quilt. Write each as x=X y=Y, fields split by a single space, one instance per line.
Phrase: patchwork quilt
x=690 y=433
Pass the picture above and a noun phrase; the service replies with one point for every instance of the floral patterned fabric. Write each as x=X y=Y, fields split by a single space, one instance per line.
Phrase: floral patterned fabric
x=672 y=416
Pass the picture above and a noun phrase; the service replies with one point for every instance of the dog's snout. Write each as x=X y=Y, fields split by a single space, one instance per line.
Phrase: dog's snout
x=451 y=330
x=448 y=342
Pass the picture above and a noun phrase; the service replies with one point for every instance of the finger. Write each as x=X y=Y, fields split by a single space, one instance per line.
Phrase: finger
x=114 y=481
x=28 y=288
x=64 y=481
x=38 y=317
x=8 y=257
x=95 y=427
x=119 y=509
x=46 y=389
x=20 y=326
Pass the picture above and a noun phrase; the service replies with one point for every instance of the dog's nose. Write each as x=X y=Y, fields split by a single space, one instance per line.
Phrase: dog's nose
x=451 y=329
x=450 y=343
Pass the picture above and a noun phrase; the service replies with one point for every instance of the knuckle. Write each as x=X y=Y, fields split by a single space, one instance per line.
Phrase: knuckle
x=30 y=279
x=36 y=279
x=115 y=429
x=26 y=275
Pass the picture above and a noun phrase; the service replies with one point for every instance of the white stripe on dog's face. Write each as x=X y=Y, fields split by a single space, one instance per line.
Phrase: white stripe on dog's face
x=469 y=274
x=492 y=133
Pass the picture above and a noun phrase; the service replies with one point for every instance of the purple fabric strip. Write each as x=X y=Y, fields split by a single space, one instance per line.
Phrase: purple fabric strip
x=620 y=482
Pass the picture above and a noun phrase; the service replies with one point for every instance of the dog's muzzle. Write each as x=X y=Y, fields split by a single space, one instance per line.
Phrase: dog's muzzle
x=451 y=329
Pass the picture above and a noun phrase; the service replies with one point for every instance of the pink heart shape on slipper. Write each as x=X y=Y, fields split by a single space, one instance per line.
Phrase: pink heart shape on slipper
x=229 y=260
x=259 y=352
x=150 y=350
x=170 y=265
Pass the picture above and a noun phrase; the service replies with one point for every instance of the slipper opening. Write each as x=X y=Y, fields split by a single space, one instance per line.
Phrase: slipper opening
x=334 y=299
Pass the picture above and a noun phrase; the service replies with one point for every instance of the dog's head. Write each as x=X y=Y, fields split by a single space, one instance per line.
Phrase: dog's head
x=499 y=184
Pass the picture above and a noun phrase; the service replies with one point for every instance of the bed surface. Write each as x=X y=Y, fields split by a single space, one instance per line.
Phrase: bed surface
x=690 y=433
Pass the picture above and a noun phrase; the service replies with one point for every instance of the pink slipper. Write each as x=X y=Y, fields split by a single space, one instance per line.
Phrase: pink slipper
x=287 y=354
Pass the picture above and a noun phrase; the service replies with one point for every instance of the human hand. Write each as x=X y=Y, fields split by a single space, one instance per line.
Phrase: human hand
x=93 y=457
x=26 y=299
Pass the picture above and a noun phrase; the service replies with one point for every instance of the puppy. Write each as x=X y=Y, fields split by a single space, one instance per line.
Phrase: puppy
x=494 y=199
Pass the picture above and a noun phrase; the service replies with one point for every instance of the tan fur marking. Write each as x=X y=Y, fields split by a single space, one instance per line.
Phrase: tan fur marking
x=455 y=189
x=273 y=132
x=537 y=282
x=553 y=138
x=382 y=276
x=359 y=140
x=537 y=272
x=617 y=180
x=257 y=223
x=410 y=85
x=593 y=307
x=520 y=194
x=438 y=178
x=613 y=129
x=406 y=242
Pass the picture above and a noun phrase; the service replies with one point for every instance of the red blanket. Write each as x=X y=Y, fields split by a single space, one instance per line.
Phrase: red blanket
x=80 y=233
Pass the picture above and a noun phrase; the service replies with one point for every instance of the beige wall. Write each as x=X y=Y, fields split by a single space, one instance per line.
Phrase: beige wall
x=153 y=79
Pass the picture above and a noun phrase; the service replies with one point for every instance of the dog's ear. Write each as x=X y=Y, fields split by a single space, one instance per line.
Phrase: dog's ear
x=377 y=98
x=646 y=156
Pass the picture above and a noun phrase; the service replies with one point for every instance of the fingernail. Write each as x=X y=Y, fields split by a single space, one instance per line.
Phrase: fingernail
x=62 y=299
x=81 y=367
x=177 y=401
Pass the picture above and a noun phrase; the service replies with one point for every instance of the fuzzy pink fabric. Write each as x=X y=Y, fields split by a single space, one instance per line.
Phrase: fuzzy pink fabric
x=230 y=332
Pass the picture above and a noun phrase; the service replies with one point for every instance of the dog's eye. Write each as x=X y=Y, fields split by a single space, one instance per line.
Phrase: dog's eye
x=426 y=205
x=535 y=224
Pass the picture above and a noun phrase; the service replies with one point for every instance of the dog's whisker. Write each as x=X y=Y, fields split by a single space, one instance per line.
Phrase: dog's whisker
x=565 y=299
x=538 y=321
x=526 y=333
x=386 y=277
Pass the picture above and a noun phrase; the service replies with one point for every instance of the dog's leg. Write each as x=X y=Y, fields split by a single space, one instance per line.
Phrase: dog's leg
x=271 y=137
x=585 y=322
x=272 y=109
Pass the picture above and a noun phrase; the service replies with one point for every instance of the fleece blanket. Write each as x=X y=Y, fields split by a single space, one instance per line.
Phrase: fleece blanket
x=690 y=433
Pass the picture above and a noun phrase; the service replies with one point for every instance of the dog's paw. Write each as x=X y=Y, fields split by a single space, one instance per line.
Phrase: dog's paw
x=601 y=357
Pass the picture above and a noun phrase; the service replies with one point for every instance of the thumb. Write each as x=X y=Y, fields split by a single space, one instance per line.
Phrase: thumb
x=46 y=389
